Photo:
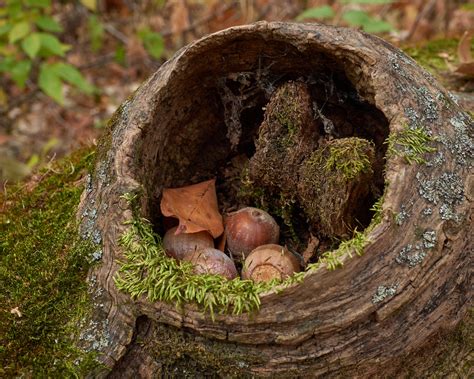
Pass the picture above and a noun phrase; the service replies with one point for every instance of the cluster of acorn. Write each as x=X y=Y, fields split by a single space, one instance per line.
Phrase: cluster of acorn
x=251 y=236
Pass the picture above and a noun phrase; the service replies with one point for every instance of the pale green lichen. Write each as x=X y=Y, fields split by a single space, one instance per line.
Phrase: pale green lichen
x=461 y=143
x=401 y=216
x=414 y=254
x=383 y=292
x=446 y=191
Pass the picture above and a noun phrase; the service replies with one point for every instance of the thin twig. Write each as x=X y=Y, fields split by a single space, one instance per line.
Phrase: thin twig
x=116 y=33
x=104 y=59
x=422 y=14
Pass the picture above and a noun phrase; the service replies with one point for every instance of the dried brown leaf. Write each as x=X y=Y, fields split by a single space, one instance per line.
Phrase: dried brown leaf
x=195 y=207
x=466 y=65
x=464 y=47
x=466 y=69
x=179 y=17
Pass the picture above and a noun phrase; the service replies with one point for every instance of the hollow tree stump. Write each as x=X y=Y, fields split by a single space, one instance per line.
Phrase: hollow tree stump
x=204 y=107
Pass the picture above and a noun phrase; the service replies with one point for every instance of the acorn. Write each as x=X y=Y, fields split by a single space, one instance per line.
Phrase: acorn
x=212 y=261
x=269 y=262
x=249 y=228
x=182 y=244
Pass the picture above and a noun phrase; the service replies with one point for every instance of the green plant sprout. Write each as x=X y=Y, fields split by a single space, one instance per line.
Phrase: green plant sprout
x=411 y=144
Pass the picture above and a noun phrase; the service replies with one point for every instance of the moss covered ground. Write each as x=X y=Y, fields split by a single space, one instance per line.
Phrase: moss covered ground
x=440 y=57
x=42 y=273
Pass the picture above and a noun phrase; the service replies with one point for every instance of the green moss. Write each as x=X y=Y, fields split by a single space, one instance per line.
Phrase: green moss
x=333 y=183
x=286 y=112
x=433 y=54
x=348 y=158
x=377 y=208
x=42 y=274
x=411 y=144
x=333 y=259
x=187 y=355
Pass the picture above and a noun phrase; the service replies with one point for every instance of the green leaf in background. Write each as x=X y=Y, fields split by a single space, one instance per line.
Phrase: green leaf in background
x=33 y=161
x=355 y=17
x=4 y=29
x=96 y=32
x=20 y=72
x=381 y=2
x=120 y=55
x=72 y=75
x=14 y=9
x=52 y=45
x=38 y=3
x=321 y=13
x=18 y=31
x=368 y=23
x=377 y=26
x=50 y=83
x=6 y=64
x=153 y=42
x=31 y=45
x=49 y=24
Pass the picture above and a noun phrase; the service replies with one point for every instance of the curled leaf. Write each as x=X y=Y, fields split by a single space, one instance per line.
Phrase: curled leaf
x=466 y=65
x=464 y=47
x=195 y=207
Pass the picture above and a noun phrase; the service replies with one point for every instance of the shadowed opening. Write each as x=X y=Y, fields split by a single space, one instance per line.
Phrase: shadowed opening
x=208 y=117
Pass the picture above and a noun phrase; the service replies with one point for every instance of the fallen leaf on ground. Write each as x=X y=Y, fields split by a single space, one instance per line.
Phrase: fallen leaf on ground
x=195 y=207
x=464 y=47
x=466 y=65
x=16 y=311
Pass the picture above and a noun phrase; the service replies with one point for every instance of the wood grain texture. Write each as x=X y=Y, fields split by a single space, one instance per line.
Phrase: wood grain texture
x=413 y=280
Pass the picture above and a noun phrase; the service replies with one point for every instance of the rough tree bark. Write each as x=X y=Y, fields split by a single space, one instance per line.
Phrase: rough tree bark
x=413 y=280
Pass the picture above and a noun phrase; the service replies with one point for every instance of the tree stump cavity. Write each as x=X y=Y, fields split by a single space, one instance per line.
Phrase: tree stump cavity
x=201 y=112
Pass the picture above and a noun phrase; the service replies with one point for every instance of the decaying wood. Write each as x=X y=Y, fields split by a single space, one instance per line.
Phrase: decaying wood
x=194 y=114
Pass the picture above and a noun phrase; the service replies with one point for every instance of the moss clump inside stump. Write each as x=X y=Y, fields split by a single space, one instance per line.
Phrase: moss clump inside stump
x=286 y=137
x=335 y=185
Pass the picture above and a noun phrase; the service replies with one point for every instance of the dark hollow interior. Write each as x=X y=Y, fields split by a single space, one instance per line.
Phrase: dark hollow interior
x=210 y=111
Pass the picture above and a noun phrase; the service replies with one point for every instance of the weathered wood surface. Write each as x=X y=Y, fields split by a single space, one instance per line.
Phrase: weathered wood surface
x=414 y=278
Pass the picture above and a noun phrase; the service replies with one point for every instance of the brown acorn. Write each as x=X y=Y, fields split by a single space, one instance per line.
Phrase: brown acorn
x=212 y=261
x=182 y=244
x=249 y=228
x=269 y=262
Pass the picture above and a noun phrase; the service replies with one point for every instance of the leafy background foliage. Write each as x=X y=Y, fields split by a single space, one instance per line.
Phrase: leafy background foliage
x=353 y=17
